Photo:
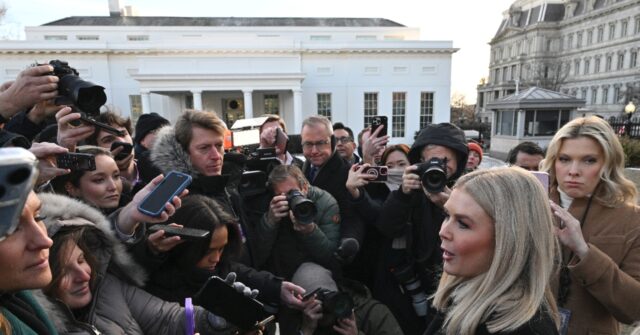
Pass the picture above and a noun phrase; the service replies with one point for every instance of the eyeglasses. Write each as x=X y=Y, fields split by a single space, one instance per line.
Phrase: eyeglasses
x=319 y=145
x=344 y=139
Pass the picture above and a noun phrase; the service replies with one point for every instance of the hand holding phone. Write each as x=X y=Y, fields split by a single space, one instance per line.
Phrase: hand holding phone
x=377 y=122
x=172 y=185
x=76 y=161
x=189 y=234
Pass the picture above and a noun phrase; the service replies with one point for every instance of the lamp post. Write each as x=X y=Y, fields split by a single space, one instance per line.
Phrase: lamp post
x=629 y=109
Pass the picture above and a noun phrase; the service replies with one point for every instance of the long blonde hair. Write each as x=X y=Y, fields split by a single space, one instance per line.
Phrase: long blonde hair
x=526 y=255
x=614 y=188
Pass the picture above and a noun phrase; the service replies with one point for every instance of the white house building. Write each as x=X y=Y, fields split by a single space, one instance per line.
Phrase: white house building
x=348 y=69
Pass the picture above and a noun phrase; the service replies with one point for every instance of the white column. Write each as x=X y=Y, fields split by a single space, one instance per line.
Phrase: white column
x=248 y=103
x=197 y=100
x=146 y=102
x=297 y=110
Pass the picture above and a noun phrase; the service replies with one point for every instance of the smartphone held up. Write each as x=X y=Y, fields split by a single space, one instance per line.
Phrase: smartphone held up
x=172 y=185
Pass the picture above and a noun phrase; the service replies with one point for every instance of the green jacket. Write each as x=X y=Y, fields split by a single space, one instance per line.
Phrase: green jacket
x=20 y=328
x=283 y=249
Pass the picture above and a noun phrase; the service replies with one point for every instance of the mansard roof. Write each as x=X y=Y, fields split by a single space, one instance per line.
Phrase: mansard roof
x=223 y=21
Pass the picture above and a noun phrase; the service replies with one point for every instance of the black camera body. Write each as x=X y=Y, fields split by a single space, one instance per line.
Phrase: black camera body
x=335 y=305
x=85 y=95
x=379 y=172
x=304 y=210
x=433 y=174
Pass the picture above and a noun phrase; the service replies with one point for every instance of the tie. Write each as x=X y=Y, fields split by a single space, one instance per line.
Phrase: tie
x=313 y=171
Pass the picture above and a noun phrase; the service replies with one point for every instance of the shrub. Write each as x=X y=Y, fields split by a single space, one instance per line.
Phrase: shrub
x=631 y=148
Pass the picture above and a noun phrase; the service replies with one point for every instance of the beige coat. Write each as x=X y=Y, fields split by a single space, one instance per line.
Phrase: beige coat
x=605 y=285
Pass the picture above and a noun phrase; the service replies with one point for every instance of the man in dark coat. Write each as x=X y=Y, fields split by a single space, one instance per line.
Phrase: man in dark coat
x=412 y=217
x=144 y=136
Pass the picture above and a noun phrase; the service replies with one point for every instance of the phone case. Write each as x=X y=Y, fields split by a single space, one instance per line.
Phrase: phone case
x=153 y=204
x=76 y=161
x=189 y=234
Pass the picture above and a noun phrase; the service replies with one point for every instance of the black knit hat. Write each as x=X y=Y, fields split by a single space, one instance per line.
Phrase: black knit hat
x=444 y=134
x=9 y=139
x=148 y=123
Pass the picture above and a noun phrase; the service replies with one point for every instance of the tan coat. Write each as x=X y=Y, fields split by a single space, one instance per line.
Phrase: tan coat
x=605 y=285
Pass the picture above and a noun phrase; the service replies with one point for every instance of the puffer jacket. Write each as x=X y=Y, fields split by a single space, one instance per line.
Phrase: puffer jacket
x=118 y=305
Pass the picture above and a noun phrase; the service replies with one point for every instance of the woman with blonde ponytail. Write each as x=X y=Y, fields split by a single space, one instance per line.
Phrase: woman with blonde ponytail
x=499 y=255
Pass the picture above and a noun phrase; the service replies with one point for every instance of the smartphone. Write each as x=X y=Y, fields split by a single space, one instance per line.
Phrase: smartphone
x=380 y=172
x=310 y=294
x=378 y=121
x=126 y=150
x=172 y=185
x=18 y=174
x=220 y=298
x=189 y=234
x=76 y=161
x=84 y=117
x=543 y=177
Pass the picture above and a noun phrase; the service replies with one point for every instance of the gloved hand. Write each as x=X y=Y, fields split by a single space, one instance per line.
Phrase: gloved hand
x=240 y=287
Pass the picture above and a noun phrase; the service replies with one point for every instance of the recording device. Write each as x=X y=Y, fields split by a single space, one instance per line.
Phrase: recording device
x=433 y=174
x=378 y=121
x=252 y=183
x=127 y=148
x=76 y=161
x=310 y=294
x=172 y=185
x=335 y=305
x=406 y=276
x=189 y=234
x=18 y=174
x=380 y=172
x=304 y=210
x=347 y=250
x=223 y=300
x=543 y=177
x=84 y=97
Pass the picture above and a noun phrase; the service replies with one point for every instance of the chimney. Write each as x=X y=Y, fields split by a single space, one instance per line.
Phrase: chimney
x=114 y=8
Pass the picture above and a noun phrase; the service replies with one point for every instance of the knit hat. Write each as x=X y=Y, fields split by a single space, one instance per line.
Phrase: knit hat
x=475 y=147
x=444 y=134
x=148 y=123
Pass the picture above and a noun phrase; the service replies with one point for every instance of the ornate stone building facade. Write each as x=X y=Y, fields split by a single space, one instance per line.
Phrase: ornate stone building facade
x=585 y=48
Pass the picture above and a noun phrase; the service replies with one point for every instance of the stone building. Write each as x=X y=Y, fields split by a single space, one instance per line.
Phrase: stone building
x=584 y=48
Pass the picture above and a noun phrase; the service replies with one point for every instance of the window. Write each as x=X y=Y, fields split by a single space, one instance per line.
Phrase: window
x=570 y=42
x=561 y=44
x=608 y=64
x=324 y=104
x=587 y=65
x=426 y=109
x=594 y=96
x=497 y=76
x=135 y=106
x=637 y=28
x=597 y=65
x=576 y=67
x=579 y=40
x=549 y=42
x=507 y=123
x=320 y=37
x=87 y=37
x=513 y=72
x=55 y=37
x=623 y=28
x=612 y=31
x=616 y=94
x=138 y=37
x=271 y=104
x=605 y=95
x=620 y=64
x=584 y=93
x=504 y=74
x=393 y=38
x=590 y=37
x=600 y=34
x=366 y=37
x=370 y=107
x=634 y=59
x=398 y=116
x=544 y=123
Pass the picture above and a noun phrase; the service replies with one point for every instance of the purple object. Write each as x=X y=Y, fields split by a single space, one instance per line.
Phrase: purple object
x=189 y=321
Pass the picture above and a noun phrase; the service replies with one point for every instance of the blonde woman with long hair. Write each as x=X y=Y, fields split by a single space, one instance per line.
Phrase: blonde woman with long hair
x=599 y=228
x=499 y=255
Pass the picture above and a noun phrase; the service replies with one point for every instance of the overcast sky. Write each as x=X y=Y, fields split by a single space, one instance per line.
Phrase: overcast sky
x=470 y=24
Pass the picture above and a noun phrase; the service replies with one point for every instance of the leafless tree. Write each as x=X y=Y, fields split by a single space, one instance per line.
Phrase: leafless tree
x=550 y=74
x=460 y=110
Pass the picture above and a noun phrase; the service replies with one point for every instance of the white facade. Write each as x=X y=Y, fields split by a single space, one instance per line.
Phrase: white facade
x=166 y=69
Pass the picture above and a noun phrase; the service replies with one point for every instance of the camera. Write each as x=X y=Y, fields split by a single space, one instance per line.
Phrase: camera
x=335 y=305
x=18 y=174
x=380 y=172
x=85 y=95
x=406 y=276
x=304 y=210
x=433 y=174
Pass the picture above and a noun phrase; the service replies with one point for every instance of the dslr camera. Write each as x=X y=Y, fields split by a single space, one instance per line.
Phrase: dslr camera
x=433 y=174
x=85 y=95
x=304 y=210
x=335 y=305
x=18 y=174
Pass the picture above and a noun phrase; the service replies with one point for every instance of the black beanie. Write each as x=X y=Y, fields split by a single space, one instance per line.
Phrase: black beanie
x=9 y=139
x=444 y=134
x=148 y=123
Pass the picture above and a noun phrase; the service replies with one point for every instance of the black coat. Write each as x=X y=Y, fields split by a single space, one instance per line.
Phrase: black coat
x=541 y=324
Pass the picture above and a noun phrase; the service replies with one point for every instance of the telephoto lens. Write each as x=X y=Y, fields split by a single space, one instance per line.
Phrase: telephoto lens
x=406 y=276
x=433 y=174
x=304 y=210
